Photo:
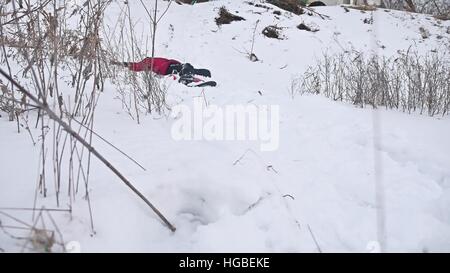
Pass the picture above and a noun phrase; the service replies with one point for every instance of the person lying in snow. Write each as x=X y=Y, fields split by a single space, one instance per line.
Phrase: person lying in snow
x=162 y=66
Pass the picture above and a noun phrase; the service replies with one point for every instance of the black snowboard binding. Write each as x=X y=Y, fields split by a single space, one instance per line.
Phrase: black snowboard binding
x=188 y=75
x=187 y=68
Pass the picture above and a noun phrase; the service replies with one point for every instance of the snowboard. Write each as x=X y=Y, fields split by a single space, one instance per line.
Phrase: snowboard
x=195 y=81
x=204 y=83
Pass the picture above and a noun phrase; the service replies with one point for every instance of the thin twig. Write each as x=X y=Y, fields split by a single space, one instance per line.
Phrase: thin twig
x=110 y=144
x=37 y=209
x=323 y=16
x=314 y=238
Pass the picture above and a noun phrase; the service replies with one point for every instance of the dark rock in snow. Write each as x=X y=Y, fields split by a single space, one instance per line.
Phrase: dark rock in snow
x=317 y=4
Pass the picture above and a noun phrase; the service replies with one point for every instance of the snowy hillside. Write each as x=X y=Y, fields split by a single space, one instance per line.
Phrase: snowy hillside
x=317 y=190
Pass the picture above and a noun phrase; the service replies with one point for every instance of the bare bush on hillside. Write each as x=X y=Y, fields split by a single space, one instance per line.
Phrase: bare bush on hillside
x=54 y=67
x=435 y=7
x=409 y=82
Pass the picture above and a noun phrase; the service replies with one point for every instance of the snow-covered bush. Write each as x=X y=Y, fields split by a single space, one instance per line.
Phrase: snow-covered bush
x=409 y=82
x=435 y=7
x=294 y=6
x=225 y=17
x=139 y=92
x=56 y=52
x=53 y=50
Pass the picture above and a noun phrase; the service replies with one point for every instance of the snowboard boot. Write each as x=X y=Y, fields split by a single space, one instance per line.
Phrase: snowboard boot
x=202 y=72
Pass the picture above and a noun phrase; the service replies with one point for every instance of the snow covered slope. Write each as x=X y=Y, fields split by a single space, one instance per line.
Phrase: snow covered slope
x=228 y=195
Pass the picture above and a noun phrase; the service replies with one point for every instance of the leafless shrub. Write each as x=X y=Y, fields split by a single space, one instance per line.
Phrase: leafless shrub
x=273 y=32
x=439 y=8
x=139 y=92
x=225 y=17
x=409 y=82
x=42 y=235
x=251 y=55
x=443 y=17
x=64 y=65
x=8 y=103
x=142 y=91
x=288 y=5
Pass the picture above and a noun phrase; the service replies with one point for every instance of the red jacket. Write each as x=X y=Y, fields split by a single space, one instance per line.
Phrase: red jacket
x=160 y=65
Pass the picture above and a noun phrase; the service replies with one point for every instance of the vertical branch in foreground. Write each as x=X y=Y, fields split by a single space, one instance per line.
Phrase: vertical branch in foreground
x=132 y=57
x=152 y=88
x=3 y=41
x=154 y=24
x=33 y=62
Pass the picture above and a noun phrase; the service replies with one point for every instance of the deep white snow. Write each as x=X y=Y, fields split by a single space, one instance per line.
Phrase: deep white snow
x=321 y=180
